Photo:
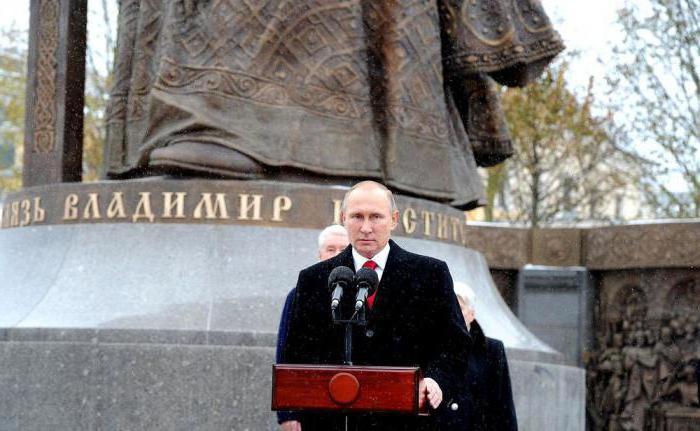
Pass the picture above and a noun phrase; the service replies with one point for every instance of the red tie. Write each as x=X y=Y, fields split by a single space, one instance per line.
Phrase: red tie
x=373 y=266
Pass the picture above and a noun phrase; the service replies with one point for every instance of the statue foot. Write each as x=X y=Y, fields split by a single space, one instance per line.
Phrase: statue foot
x=191 y=157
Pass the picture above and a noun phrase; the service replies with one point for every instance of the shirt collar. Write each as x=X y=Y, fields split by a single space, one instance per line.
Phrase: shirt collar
x=379 y=258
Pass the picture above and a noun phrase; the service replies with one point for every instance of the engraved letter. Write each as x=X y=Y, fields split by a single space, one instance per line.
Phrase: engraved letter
x=245 y=207
x=281 y=203
x=26 y=207
x=14 y=215
x=210 y=209
x=337 y=208
x=428 y=216
x=92 y=210
x=455 y=222
x=409 y=220
x=39 y=213
x=463 y=233
x=441 y=226
x=143 y=208
x=116 y=206
x=178 y=204
x=70 y=207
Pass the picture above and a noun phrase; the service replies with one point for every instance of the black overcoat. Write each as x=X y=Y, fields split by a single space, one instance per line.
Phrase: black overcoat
x=415 y=321
x=483 y=394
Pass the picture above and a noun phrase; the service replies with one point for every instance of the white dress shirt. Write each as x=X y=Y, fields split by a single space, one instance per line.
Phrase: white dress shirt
x=379 y=258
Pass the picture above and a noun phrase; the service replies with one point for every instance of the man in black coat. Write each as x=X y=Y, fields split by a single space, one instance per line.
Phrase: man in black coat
x=414 y=318
x=482 y=399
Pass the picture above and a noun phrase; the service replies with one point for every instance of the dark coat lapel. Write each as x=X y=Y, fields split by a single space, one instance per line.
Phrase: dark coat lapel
x=477 y=335
x=344 y=258
x=391 y=281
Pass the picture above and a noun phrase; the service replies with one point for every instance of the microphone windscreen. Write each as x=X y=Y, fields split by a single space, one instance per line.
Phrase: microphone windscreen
x=369 y=277
x=340 y=274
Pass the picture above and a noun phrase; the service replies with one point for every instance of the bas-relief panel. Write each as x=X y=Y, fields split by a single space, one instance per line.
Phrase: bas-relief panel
x=643 y=371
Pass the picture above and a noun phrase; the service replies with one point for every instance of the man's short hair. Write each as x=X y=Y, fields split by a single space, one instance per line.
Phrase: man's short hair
x=466 y=292
x=389 y=194
x=334 y=229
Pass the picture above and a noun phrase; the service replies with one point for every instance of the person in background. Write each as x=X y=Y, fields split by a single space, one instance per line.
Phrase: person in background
x=482 y=400
x=331 y=241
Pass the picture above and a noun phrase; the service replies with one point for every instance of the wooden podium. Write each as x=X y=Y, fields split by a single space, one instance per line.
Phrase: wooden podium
x=346 y=388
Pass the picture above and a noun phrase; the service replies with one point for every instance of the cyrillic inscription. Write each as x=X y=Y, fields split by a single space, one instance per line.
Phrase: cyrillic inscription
x=139 y=206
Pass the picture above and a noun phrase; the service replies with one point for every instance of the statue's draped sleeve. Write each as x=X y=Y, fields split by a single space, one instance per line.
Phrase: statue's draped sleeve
x=507 y=41
x=511 y=40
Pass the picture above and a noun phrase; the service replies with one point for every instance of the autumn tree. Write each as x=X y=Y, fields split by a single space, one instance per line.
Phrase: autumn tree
x=656 y=83
x=567 y=167
x=13 y=73
x=98 y=83
x=98 y=76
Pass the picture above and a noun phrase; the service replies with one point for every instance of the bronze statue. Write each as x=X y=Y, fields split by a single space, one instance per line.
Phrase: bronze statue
x=396 y=90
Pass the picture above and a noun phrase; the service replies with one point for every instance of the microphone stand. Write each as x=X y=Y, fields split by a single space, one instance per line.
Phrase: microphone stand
x=358 y=318
x=348 y=344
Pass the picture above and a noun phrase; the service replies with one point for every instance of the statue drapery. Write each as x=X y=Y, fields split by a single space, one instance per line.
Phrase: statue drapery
x=399 y=90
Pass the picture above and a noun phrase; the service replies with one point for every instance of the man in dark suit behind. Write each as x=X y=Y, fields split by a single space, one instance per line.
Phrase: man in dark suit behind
x=413 y=319
x=482 y=399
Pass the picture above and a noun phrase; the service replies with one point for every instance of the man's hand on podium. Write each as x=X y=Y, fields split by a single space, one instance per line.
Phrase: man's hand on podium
x=290 y=426
x=430 y=391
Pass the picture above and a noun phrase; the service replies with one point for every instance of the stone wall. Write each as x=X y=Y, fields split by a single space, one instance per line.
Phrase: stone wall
x=641 y=367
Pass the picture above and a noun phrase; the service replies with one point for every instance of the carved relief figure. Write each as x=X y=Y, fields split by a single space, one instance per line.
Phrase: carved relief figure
x=669 y=355
x=685 y=389
x=614 y=395
x=396 y=90
x=640 y=365
x=659 y=355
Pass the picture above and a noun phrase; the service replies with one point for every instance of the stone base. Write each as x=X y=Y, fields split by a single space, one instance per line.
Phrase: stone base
x=70 y=379
x=171 y=325
x=129 y=380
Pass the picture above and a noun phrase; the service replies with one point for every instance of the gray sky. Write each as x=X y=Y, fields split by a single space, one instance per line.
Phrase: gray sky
x=588 y=27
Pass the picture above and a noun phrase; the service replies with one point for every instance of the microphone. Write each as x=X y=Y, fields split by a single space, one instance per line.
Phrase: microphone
x=340 y=278
x=367 y=281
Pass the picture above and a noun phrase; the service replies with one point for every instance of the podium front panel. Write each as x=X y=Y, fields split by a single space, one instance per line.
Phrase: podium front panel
x=345 y=388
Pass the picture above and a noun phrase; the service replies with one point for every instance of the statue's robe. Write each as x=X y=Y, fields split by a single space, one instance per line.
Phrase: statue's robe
x=395 y=90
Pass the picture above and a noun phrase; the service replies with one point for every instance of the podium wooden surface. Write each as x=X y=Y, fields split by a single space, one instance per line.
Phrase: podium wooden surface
x=346 y=388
